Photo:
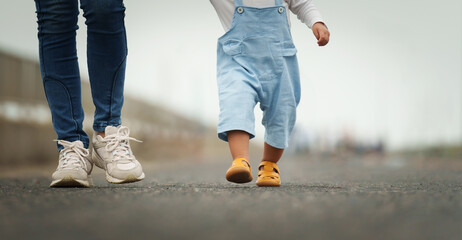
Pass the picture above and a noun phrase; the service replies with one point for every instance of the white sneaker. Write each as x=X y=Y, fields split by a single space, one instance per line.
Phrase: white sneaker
x=113 y=154
x=74 y=166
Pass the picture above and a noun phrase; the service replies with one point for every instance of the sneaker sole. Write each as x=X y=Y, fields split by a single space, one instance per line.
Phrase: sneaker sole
x=129 y=179
x=69 y=181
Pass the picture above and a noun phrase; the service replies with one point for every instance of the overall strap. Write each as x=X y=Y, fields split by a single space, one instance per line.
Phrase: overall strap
x=276 y=2
x=238 y=3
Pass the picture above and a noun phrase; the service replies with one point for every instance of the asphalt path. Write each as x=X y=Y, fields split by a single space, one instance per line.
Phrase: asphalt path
x=330 y=198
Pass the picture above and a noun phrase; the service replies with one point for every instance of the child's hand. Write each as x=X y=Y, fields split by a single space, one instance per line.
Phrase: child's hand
x=321 y=33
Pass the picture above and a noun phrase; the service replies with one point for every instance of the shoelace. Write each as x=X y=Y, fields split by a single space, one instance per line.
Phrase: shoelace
x=72 y=155
x=118 y=144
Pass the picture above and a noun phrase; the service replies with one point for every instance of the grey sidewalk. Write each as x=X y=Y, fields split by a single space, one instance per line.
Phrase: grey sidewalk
x=395 y=198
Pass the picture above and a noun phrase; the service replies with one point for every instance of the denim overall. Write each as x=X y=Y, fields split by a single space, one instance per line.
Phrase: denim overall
x=257 y=63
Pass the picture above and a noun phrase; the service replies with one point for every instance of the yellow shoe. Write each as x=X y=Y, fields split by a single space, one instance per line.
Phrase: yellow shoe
x=240 y=171
x=268 y=175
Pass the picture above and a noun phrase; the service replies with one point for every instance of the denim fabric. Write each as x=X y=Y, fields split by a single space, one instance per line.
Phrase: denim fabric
x=106 y=54
x=257 y=63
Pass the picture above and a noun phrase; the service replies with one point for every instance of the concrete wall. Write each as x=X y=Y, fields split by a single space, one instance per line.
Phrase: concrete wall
x=27 y=134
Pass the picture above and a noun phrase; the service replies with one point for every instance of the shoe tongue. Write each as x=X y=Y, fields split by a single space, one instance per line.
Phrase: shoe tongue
x=79 y=144
x=110 y=130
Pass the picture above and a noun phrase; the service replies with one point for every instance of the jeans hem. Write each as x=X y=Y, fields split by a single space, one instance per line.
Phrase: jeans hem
x=84 y=140
x=101 y=126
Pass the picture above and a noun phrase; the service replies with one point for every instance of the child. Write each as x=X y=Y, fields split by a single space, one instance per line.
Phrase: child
x=256 y=62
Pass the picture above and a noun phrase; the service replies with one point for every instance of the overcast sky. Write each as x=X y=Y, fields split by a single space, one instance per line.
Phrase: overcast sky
x=392 y=69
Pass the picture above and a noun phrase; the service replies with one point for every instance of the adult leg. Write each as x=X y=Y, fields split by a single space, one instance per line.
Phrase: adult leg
x=57 y=25
x=106 y=52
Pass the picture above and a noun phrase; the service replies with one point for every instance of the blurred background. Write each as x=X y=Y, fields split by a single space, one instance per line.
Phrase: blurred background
x=390 y=81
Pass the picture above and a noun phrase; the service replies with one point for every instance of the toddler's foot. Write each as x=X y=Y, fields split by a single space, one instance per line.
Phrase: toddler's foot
x=240 y=171
x=268 y=175
x=74 y=166
x=113 y=154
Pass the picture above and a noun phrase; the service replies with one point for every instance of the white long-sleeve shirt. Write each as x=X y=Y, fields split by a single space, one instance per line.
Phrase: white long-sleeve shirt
x=304 y=9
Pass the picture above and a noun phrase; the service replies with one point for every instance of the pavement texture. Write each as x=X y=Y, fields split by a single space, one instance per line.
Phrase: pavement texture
x=358 y=198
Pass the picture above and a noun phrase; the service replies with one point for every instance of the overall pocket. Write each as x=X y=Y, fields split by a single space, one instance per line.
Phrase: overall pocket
x=232 y=47
x=288 y=49
x=260 y=56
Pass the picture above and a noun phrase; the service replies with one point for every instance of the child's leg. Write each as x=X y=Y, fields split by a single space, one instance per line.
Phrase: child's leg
x=238 y=144
x=272 y=154
x=240 y=171
x=268 y=171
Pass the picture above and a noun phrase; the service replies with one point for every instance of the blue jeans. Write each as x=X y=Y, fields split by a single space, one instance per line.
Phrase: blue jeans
x=106 y=54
